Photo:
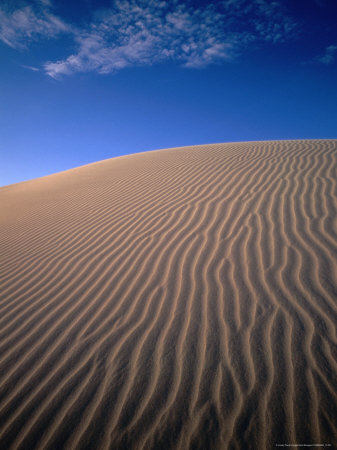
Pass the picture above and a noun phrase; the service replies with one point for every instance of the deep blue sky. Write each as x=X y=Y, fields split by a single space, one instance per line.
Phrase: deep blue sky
x=82 y=81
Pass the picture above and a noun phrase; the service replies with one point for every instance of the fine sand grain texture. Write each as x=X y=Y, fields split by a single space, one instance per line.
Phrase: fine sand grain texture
x=175 y=299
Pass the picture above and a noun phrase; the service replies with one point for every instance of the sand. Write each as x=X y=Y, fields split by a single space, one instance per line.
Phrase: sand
x=175 y=299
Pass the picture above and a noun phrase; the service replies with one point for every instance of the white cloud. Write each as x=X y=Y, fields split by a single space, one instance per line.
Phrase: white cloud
x=23 y=25
x=138 y=33
x=146 y=32
x=329 y=55
x=34 y=69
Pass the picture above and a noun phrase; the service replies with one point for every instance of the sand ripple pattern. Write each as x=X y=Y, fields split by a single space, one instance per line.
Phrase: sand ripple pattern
x=176 y=299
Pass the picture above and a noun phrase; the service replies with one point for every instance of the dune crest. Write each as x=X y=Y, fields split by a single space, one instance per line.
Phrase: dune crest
x=175 y=299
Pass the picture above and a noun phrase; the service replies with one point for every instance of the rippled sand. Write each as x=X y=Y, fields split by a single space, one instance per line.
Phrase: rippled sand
x=177 y=299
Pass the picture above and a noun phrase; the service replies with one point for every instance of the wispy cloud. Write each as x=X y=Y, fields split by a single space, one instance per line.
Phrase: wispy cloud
x=140 y=32
x=260 y=20
x=34 y=69
x=329 y=56
x=19 y=27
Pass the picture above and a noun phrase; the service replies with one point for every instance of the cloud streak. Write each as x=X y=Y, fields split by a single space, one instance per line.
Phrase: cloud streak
x=139 y=32
x=329 y=55
x=20 y=27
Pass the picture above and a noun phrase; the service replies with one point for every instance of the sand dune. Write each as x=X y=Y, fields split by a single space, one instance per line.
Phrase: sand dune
x=176 y=299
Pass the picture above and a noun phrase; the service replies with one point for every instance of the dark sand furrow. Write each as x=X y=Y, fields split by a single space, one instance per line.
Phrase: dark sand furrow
x=166 y=342
x=61 y=343
x=328 y=196
x=168 y=227
x=96 y=219
x=239 y=209
x=244 y=346
x=116 y=361
x=175 y=299
x=327 y=409
x=208 y=249
x=87 y=243
x=133 y=414
x=186 y=291
x=317 y=340
x=49 y=371
x=107 y=406
x=49 y=312
x=302 y=335
x=98 y=274
x=230 y=391
x=281 y=407
x=305 y=189
x=325 y=364
x=207 y=403
x=321 y=225
x=239 y=338
x=120 y=206
x=264 y=326
x=62 y=324
x=129 y=289
x=99 y=229
x=44 y=425
x=311 y=257
x=106 y=251
x=260 y=348
x=21 y=411
x=301 y=322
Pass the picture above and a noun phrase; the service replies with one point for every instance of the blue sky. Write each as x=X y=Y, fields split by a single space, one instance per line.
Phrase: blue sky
x=82 y=81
